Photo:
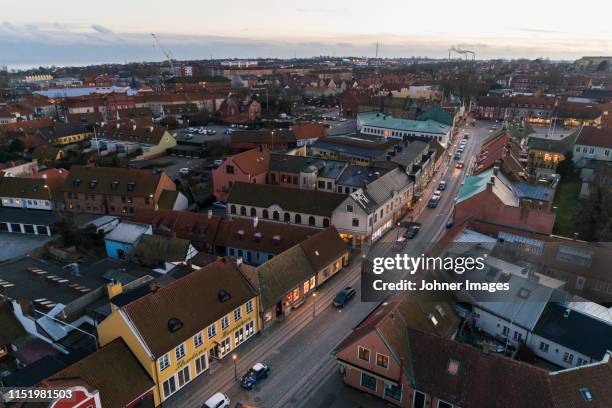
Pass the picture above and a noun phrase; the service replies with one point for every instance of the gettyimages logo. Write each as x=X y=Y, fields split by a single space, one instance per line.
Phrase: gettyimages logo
x=411 y=264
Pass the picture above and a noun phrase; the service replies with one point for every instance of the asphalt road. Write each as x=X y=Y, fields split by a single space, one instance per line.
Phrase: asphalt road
x=298 y=349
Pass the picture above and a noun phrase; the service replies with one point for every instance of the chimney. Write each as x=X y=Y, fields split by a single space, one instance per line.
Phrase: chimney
x=376 y=175
x=365 y=185
x=210 y=214
x=239 y=261
x=255 y=222
x=118 y=125
x=153 y=287
x=151 y=129
x=134 y=127
x=114 y=288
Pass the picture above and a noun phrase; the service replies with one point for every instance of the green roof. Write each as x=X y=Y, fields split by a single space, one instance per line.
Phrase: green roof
x=437 y=114
x=380 y=120
x=557 y=145
x=474 y=185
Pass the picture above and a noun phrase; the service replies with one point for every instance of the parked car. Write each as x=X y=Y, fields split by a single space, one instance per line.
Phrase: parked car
x=184 y=171
x=229 y=131
x=218 y=400
x=344 y=296
x=412 y=231
x=256 y=373
x=466 y=136
x=211 y=132
x=457 y=156
x=459 y=165
x=217 y=163
x=433 y=202
x=442 y=185
x=437 y=193
x=219 y=204
x=399 y=244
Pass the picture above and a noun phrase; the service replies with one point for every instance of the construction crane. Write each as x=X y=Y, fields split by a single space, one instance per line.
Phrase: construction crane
x=459 y=50
x=166 y=53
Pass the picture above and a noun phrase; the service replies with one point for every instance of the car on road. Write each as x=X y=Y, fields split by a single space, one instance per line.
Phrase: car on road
x=466 y=136
x=219 y=204
x=217 y=163
x=228 y=131
x=218 y=400
x=437 y=193
x=457 y=156
x=442 y=185
x=399 y=244
x=433 y=201
x=460 y=150
x=343 y=296
x=412 y=231
x=184 y=171
x=459 y=165
x=256 y=373
x=211 y=132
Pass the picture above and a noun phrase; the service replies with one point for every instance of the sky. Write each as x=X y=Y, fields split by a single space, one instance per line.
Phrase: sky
x=66 y=32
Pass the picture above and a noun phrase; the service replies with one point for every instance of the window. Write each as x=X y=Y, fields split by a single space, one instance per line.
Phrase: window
x=229 y=169
x=349 y=208
x=239 y=336
x=363 y=354
x=237 y=314
x=433 y=320
x=443 y=404
x=506 y=331
x=286 y=217
x=276 y=215
x=355 y=222
x=393 y=391
x=382 y=361
x=225 y=347
x=233 y=209
x=253 y=212
x=321 y=184
x=179 y=351
x=184 y=376
x=311 y=220
x=298 y=219
x=225 y=322
x=368 y=381
x=242 y=210
x=568 y=357
x=198 y=340
x=325 y=222
x=265 y=214
x=586 y=394
x=212 y=330
x=200 y=364
x=164 y=362
x=440 y=310
x=581 y=362
x=544 y=347
x=169 y=387
x=249 y=329
x=453 y=367
x=517 y=336
x=419 y=400
x=249 y=306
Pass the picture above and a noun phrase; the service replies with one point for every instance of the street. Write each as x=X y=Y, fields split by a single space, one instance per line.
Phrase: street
x=298 y=349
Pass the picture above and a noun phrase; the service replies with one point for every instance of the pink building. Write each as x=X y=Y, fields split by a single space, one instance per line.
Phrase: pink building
x=249 y=167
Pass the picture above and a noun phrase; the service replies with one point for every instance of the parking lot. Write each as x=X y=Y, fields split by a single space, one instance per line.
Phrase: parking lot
x=17 y=245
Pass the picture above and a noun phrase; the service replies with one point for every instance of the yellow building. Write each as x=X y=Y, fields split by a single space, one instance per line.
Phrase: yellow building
x=61 y=134
x=176 y=330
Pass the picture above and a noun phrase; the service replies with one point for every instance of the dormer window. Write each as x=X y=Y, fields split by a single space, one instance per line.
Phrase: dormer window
x=131 y=186
x=453 y=367
x=93 y=183
x=76 y=182
x=114 y=185
x=586 y=394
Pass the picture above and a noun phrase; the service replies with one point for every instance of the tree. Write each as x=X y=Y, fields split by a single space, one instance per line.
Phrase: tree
x=566 y=167
x=603 y=66
x=17 y=146
x=593 y=220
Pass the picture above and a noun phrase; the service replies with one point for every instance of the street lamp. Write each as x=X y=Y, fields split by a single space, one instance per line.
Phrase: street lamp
x=235 y=357
x=314 y=304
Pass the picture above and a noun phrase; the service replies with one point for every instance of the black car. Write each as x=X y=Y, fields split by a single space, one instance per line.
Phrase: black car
x=412 y=231
x=256 y=373
x=344 y=296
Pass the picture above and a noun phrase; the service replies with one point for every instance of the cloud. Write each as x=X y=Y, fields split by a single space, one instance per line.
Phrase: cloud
x=101 y=29
x=537 y=30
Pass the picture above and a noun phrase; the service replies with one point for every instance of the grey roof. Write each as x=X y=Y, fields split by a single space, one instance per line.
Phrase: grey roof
x=365 y=152
x=127 y=232
x=381 y=190
x=23 y=216
x=289 y=199
x=411 y=152
x=296 y=164
x=576 y=331
x=356 y=175
x=54 y=283
x=534 y=191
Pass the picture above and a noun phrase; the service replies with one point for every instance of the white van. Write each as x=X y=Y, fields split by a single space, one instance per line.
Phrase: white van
x=218 y=400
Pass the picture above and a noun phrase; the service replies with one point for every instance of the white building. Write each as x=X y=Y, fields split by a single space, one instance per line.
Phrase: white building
x=593 y=144
x=379 y=124
x=366 y=214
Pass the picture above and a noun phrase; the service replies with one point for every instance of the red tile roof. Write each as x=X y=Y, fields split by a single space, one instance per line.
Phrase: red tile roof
x=592 y=136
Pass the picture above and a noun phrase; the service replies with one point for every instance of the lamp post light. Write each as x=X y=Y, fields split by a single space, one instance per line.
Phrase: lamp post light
x=314 y=305
x=234 y=358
